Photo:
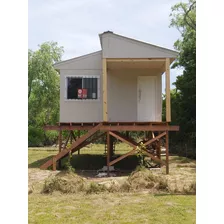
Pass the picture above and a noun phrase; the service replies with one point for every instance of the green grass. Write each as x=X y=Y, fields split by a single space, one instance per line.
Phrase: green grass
x=111 y=208
x=38 y=157
x=91 y=157
x=131 y=208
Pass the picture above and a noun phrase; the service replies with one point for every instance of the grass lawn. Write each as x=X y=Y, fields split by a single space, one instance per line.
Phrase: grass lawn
x=138 y=207
x=111 y=208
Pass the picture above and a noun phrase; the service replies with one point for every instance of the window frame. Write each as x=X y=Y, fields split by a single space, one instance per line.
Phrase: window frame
x=82 y=76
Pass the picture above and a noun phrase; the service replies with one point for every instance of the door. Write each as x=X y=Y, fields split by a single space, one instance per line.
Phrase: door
x=146 y=97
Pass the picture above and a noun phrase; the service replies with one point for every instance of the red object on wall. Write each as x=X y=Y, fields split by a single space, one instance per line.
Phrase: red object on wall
x=79 y=93
x=82 y=93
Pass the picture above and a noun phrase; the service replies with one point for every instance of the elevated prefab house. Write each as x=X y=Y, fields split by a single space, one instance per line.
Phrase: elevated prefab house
x=118 y=88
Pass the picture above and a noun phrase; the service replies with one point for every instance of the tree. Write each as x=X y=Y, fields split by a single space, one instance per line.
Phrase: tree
x=183 y=17
x=43 y=89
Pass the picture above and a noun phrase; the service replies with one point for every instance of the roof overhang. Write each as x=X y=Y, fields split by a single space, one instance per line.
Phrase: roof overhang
x=144 y=63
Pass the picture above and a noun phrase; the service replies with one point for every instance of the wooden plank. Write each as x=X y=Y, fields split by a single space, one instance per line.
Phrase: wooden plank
x=153 y=157
x=123 y=156
x=136 y=59
x=154 y=139
x=60 y=140
x=105 y=107
x=167 y=152
x=79 y=137
x=85 y=143
x=123 y=138
x=54 y=163
x=108 y=152
x=67 y=128
x=158 y=127
x=158 y=149
x=140 y=128
x=66 y=142
x=60 y=145
x=168 y=107
x=132 y=151
x=73 y=146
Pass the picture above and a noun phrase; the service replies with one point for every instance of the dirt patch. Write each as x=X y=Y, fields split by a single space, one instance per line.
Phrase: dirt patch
x=36 y=178
x=37 y=175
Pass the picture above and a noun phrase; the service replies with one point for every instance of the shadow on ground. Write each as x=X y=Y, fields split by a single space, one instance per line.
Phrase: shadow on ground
x=88 y=164
x=38 y=163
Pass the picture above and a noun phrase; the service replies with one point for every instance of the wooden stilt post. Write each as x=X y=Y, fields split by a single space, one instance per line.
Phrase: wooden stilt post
x=104 y=76
x=54 y=163
x=79 y=137
x=127 y=134
x=168 y=107
x=60 y=145
x=111 y=146
x=146 y=134
x=108 y=152
x=167 y=152
x=71 y=136
x=158 y=151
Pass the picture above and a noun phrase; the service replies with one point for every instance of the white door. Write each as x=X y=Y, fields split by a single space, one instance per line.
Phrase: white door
x=146 y=97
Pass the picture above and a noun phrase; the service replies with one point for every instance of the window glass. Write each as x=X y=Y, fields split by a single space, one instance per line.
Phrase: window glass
x=82 y=88
x=90 y=84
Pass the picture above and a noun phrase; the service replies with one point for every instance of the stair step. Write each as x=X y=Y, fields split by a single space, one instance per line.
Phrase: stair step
x=74 y=147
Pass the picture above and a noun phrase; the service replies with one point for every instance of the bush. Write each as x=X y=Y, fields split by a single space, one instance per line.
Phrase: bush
x=35 y=137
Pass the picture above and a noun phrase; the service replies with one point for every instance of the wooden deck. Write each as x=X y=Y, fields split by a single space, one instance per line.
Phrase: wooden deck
x=115 y=126
x=97 y=130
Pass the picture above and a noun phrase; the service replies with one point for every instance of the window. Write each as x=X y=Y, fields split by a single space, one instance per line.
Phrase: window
x=81 y=88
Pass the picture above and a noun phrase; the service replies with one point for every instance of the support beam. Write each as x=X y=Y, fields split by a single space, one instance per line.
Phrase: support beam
x=122 y=157
x=73 y=146
x=154 y=139
x=66 y=142
x=139 y=128
x=167 y=152
x=153 y=157
x=79 y=137
x=127 y=134
x=168 y=108
x=73 y=136
x=54 y=163
x=158 y=150
x=123 y=138
x=60 y=145
x=124 y=126
x=134 y=149
x=85 y=143
x=108 y=152
x=135 y=59
x=105 y=112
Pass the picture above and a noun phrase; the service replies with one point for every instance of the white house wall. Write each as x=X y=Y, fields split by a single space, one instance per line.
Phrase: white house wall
x=81 y=111
x=89 y=62
x=122 y=94
x=115 y=46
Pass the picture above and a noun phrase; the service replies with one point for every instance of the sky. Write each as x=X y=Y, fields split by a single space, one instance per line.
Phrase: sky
x=75 y=24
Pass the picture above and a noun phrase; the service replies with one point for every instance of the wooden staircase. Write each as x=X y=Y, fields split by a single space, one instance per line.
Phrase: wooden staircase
x=74 y=147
